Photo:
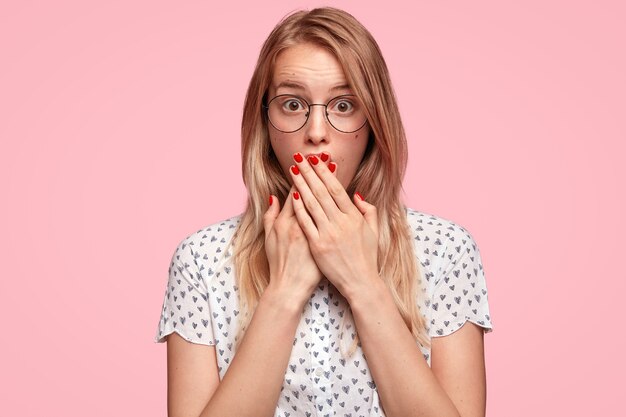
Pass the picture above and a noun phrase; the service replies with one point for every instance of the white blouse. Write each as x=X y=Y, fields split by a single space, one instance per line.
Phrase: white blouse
x=201 y=305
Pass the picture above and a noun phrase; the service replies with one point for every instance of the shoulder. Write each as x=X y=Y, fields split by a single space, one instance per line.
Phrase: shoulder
x=455 y=285
x=211 y=235
x=190 y=297
x=440 y=242
x=439 y=230
x=206 y=246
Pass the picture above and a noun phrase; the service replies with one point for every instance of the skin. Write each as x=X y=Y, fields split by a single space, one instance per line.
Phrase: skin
x=325 y=232
x=318 y=71
x=342 y=237
x=294 y=270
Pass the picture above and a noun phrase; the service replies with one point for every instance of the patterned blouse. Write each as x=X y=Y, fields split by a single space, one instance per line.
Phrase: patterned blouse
x=201 y=305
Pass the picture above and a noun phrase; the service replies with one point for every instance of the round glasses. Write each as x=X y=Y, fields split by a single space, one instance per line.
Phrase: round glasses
x=289 y=113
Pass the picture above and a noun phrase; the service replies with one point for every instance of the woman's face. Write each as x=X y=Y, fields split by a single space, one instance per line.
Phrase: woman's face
x=321 y=78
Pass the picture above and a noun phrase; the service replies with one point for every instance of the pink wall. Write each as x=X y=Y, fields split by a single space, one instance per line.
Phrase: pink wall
x=120 y=136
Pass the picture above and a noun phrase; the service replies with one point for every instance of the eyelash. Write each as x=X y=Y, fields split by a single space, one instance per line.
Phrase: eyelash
x=345 y=100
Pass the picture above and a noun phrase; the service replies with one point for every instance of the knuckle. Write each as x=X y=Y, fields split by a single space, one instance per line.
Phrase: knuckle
x=294 y=231
x=321 y=249
x=280 y=226
x=335 y=189
x=306 y=168
x=316 y=247
x=311 y=207
x=317 y=190
x=326 y=245
x=334 y=237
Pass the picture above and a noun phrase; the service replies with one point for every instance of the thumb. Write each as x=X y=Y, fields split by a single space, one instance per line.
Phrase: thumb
x=368 y=211
x=270 y=215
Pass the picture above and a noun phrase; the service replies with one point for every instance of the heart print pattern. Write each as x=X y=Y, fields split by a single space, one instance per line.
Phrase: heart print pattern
x=201 y=304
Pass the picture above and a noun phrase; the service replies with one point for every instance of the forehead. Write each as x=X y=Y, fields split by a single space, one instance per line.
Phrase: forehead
x=309 y=68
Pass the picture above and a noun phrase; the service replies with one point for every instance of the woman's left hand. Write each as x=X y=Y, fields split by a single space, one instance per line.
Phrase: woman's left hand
x=342 y=235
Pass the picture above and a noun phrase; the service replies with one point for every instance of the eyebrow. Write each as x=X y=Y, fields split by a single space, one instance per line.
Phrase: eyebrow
x=297 y=86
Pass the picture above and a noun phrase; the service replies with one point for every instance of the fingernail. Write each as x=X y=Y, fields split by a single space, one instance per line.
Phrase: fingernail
x=295 y=170
x=332 y=167
x=358 y=194
x=325 y=156
x=296 y=195
x=313 y=160
x=271 y=200
x=298 y=157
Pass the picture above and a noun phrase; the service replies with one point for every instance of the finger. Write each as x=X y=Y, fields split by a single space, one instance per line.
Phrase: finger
x=271 y=213
x=369 y=212
x=315 y=184
x=327 y=175
x=304 y=219
x=287 y=210
x=311 y=201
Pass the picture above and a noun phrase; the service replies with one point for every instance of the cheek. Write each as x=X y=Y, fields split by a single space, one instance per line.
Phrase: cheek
x=359 y=144
x=351 y=155
x=275 y=142
x=282 y=152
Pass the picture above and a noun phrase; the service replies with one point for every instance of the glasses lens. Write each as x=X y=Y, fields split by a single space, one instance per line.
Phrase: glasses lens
x=287 y=113
x=346 y=114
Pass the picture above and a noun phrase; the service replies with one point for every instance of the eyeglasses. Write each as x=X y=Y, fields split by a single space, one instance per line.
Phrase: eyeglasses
x=289 y=113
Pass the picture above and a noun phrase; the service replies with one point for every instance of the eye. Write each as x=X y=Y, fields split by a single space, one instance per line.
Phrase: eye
x=343 y=106
x=293 y=105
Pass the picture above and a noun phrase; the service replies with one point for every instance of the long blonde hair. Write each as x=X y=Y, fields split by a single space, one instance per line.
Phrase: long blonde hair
x=378 y=178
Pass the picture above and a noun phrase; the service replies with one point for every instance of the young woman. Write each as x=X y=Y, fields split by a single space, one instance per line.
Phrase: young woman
x=327 y=296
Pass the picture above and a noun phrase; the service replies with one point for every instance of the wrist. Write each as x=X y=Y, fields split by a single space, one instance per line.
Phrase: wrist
x=284 y=300
x=369 y=291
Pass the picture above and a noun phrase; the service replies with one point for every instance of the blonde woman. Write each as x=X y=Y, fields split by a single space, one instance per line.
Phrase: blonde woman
x=326 y=296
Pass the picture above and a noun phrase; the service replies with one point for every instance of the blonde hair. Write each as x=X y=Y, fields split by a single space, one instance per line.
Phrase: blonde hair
x=378 y=178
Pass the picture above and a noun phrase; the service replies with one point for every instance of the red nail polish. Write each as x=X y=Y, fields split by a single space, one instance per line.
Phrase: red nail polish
x=325 y=156
x=332 y=167
x=298 y=157
x=313 y=160
x=295 y=170
x=271 y=200
x=296 y=195
x=358 y=194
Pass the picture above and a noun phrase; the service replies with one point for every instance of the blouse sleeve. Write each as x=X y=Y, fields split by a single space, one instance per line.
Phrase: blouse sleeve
x=186 y=308
x=460 y=294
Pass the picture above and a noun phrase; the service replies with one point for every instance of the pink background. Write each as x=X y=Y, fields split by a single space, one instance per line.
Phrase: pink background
x=120 y=136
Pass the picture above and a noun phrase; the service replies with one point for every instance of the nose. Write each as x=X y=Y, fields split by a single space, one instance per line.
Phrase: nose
x=317 y=126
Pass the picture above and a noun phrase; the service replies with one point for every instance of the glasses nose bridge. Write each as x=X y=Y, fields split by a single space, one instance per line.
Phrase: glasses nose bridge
x=308 y=116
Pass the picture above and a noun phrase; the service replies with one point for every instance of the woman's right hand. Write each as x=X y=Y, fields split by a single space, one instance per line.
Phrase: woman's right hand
x=293 y=271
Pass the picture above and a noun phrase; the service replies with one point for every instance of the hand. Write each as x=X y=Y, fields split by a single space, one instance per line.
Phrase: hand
x=293 y=271
x=342 y=235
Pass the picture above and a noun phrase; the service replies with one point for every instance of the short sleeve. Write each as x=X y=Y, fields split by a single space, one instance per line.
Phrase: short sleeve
x=460 y=293
x=186 y=309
